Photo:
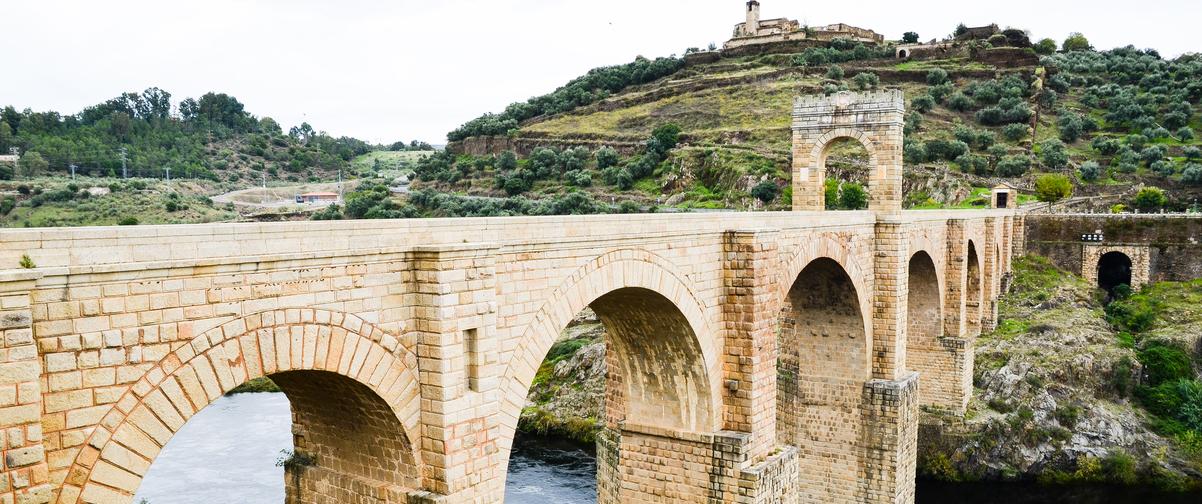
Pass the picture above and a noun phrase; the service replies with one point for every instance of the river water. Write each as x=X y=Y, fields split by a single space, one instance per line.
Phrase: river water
x=204 y=464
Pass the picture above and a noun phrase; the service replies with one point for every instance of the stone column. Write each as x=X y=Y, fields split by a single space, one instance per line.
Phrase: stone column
x=1019 y=236
x=25 y=475
x=890 y=297
x=990 y=275
x=750 y=310
x=959 y=353
x=455 y=317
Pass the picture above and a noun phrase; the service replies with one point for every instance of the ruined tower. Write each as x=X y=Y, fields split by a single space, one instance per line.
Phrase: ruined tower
x=753 y=18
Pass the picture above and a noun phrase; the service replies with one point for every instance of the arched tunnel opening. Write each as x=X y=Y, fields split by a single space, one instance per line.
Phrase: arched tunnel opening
x=1114 y=274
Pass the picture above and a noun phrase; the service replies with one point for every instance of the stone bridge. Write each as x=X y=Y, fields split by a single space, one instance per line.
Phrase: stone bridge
x=753 y=357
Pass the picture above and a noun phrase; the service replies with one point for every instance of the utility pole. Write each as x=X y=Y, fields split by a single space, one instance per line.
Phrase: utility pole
x=73 y=171
x=340 y=186
x=124 y=166
x=168 y=168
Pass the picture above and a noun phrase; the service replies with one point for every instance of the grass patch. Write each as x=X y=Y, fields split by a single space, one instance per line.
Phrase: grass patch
x=256 y=386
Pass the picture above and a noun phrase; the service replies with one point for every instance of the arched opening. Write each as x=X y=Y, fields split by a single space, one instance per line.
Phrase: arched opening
x=629 y=361
x=903 y=54
x=821 y=373
x=924 y=329
x=346 y=445
x=1114 y=269
x=848 y=167
x=972 y=293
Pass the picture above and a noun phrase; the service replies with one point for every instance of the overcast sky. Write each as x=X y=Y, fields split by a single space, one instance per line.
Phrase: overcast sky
x=405 y=69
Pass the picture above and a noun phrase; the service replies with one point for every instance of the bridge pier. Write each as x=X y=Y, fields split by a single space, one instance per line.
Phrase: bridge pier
x=24 y=477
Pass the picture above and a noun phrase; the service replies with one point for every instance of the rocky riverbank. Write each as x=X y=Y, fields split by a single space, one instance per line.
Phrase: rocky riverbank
x=1061 y=389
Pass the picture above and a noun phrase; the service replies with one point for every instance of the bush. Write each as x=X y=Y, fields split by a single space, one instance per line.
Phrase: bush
x=941 y=92
x=508 y=161
x=332 y=212
x=960 y=102
x=1076 y=42
x=866 y=80
x=1052 y=154
x=914 y=152
x=923 y=104
x=1164 y=362
x=853 y=197
x=937 y=76
x=1106 y=146
x=765 y=191
x=1185 y=134
x=945 y=150
x=1163 y=168
x=1136 y=141
x=1045 y=47
x=1192 y=174
x=1150 y=198
x=972 y=163
x=128 y=221
x=1053 y=187
x=1013 y=166
x=835 y=72
x=1016 y=132
x=1090 y=171
x=1192 y=152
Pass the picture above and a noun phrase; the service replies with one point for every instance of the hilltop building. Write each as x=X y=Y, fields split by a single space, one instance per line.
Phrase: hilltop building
x=763 y=31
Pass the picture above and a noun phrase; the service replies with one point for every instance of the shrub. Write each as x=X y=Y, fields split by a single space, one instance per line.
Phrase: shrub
x=128 y=221
x=1163 y=168
x=1192 y=152
x=1045 y=47
x=1016 y=132
x=332 y=212
x=853 y=197
x=1192 y=174
x=1052 y=154
x=1136 y=141
x=937 y=76
x=866 y=80
x=765 y=191
x=26 y=262
x=1150 y=198
x=945 y=150
x=1164 y=362
x=1071 y=126
x=1053 y=187
x=1090 y=171
x=941 y=92
x=914 y=152
x=960 y=102
x=835 y=72
x=973 y=163
x=1013 y=166
x=1076 y=42
x=1106 y=146
x=923 y=104
x=910 y=37
x=1185 y=134
x=508 y=161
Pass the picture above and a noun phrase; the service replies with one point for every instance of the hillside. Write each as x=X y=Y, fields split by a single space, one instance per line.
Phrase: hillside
x=1112 y=121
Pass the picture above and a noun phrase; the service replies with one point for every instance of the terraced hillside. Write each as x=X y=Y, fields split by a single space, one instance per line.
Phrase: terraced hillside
x=1111 y=122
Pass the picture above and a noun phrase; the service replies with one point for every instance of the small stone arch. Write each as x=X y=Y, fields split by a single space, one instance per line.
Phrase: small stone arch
x=309 y=349
x=875 y=120
x=973 y=291
x=903 y=53
x=1137 y=256
x=612 y=283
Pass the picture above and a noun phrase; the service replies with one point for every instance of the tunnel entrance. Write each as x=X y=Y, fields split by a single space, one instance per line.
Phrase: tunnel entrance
x=1114 y=269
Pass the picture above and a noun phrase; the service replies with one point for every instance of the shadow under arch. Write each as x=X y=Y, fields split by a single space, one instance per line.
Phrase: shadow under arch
x=823 y=367
x=973 y=292
x=927 y=352
x=1114 y=269
x=664 y=370
x=329 y=364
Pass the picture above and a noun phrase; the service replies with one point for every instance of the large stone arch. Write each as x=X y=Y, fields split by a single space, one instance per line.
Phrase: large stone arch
x=310 y=351
x=825 y=347
x=817 y=248
x=928 y=352
x=876 y=120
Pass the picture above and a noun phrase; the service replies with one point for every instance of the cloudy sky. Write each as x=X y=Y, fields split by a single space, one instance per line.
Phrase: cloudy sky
x=404 y=69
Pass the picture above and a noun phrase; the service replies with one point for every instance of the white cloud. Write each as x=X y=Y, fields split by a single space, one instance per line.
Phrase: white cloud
x=405 y=69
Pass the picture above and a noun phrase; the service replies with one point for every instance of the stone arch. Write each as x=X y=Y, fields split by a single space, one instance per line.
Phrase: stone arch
x=824 y=364
x=926 y=352
x=615 y=285
x=903 y=53
x=327 y=362
x=830 y=248
x=873 y=119
x=1114 y=269
x=973 y=292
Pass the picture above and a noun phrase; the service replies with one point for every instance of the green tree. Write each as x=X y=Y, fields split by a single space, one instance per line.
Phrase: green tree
x=1052 y=154
x=507 y=162
x=1053 y=187
x=910 y=37
x=835 y=72
x=6 y=137
x=853 y=197
x=1045 y=47
x=32 y=164
x=1076 y=42
x=937 y=76
x=765 y=191
x=1150 y=198
x=923 y=104
x=607 y=157
x=1090 y=171
x=866 y=80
